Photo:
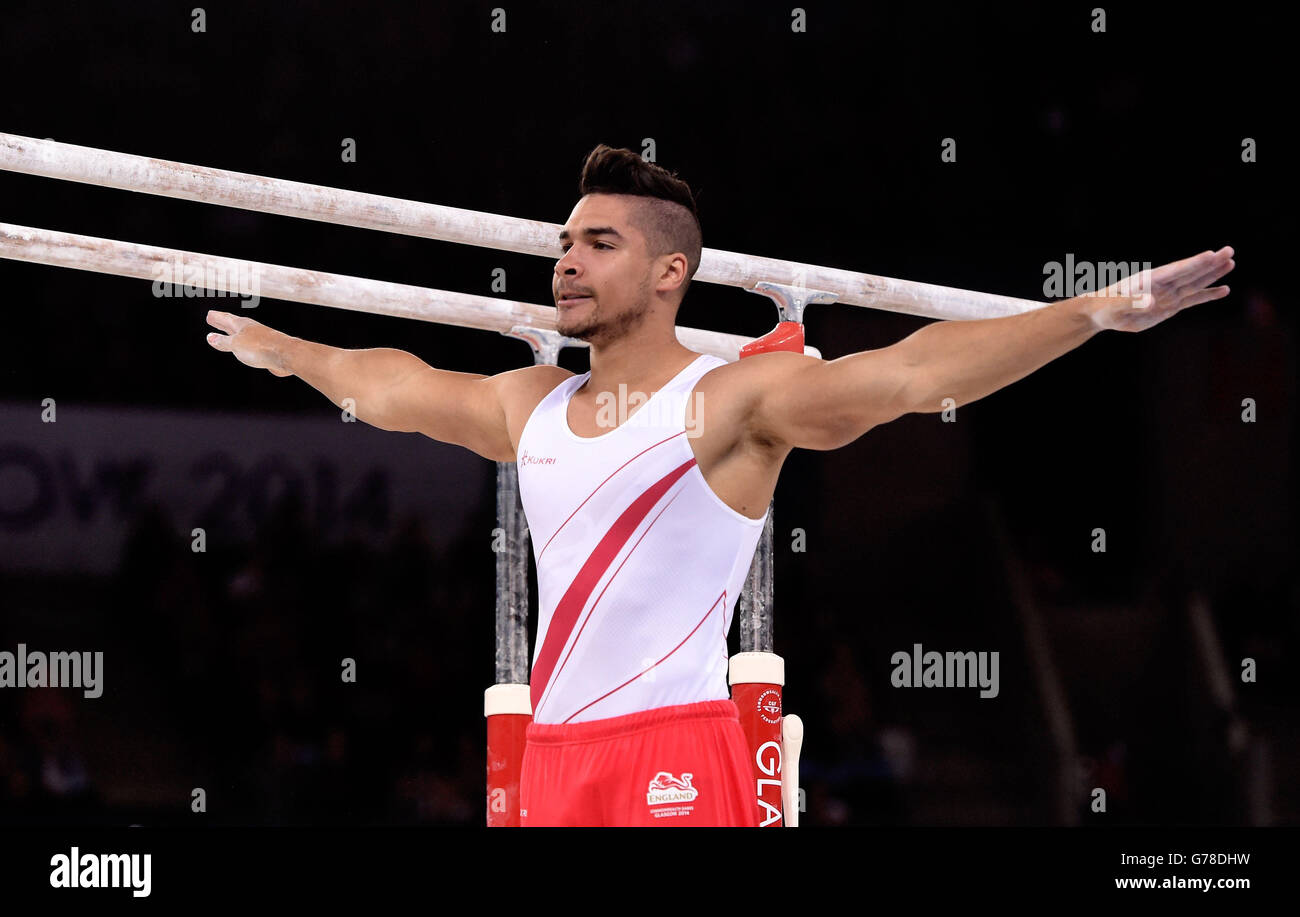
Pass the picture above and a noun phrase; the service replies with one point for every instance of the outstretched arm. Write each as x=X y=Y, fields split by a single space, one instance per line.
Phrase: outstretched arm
x=810 y=404
x=386 y=388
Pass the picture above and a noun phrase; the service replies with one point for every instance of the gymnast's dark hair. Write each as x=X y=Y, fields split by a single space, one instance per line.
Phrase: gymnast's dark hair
x=667 y=215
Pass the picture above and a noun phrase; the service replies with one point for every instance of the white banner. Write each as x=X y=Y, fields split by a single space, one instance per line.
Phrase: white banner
x=71 y=489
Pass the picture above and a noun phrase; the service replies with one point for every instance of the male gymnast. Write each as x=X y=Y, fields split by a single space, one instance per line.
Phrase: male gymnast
x=645 y=481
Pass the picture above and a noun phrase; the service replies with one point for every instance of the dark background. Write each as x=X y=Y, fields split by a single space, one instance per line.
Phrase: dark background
x=824 y=147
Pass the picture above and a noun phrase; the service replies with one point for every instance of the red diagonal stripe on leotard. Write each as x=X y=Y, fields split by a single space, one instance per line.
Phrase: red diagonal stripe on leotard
x=575 y=597
x=595 y=602
x=598 y=487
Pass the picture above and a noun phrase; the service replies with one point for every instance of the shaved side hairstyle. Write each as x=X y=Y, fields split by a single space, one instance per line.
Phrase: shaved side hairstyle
x=665 y=211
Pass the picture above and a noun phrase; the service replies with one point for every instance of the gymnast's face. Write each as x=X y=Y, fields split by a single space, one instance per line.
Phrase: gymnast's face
x=602 y=282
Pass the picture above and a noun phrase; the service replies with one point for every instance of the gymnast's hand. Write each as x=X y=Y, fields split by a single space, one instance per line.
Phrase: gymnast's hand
x=1151 y=296
x=252 y=343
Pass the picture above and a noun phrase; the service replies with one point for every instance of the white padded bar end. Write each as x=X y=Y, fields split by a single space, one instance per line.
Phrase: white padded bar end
x=507 y=699
x=757 y=668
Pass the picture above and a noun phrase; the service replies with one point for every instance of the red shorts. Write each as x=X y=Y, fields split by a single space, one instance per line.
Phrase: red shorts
x=680 y=765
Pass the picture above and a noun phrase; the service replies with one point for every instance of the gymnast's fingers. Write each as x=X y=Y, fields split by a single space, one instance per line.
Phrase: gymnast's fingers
x=226 y=321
